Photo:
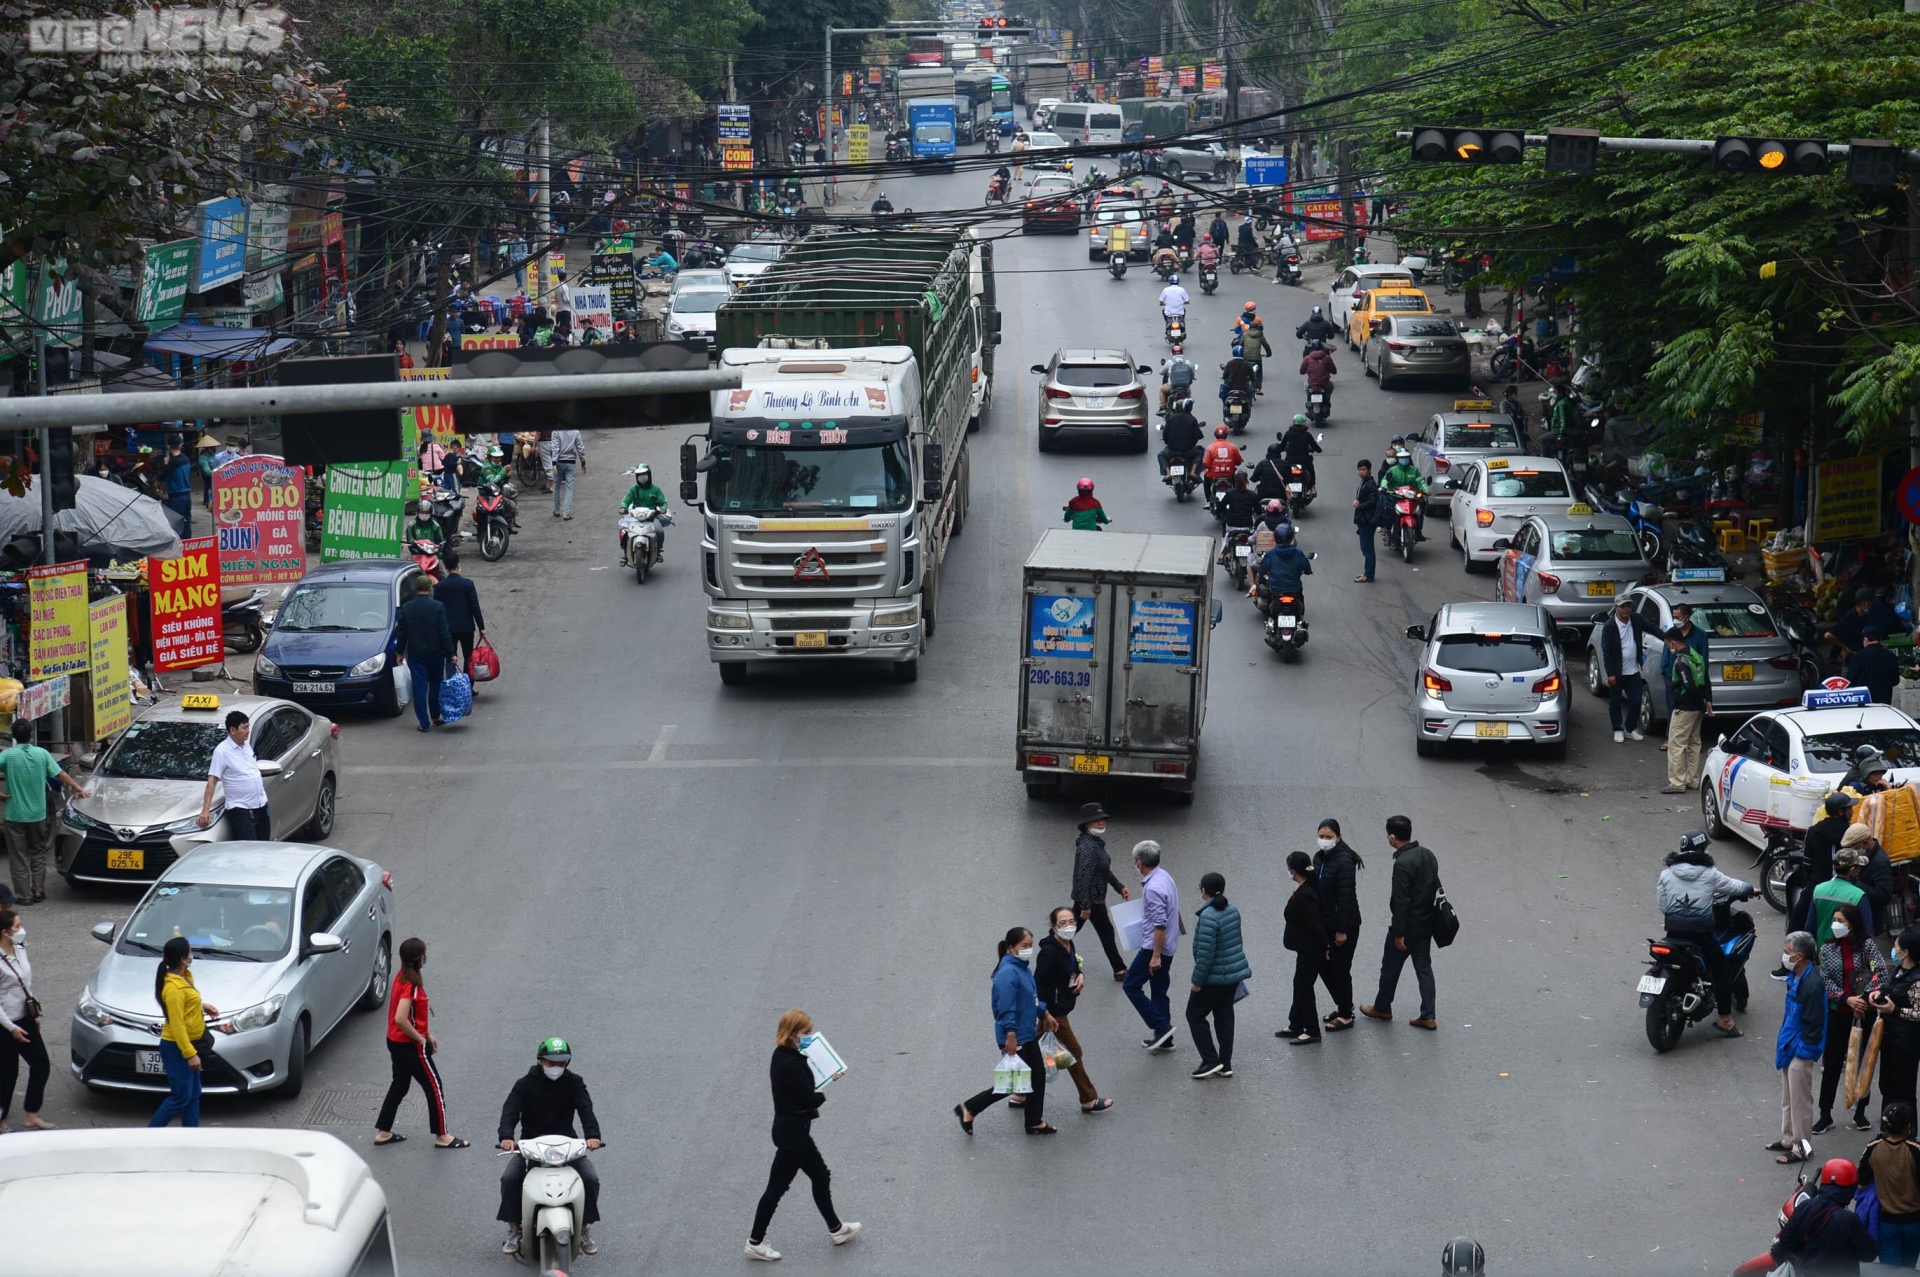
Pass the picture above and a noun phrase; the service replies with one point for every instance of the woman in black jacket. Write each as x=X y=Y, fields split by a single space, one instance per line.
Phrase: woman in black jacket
x=1336 y=865
x=1306 y=936
x=796 y=1103
x=1058 y=977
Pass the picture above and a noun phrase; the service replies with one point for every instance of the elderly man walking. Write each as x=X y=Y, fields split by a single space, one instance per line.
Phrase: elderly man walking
x=1796 y=1053
x=1152 y=967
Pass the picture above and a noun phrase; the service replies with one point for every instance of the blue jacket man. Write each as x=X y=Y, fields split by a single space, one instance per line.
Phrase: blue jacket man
x=1284 y=566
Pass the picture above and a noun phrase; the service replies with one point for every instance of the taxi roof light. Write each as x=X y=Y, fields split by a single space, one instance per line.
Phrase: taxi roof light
x=200 y=700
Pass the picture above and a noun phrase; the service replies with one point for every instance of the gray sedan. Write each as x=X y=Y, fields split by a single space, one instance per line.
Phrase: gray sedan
x=1089 y=392
x=1415 y=346
x=1570 y=564
x=1750 y=665
x=287 y=939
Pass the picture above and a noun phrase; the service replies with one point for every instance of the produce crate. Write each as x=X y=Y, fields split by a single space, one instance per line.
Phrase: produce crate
x=1781 y=565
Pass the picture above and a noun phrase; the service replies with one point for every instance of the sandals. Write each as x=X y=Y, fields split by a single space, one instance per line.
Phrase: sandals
x=966 y=1123
x=1043 y=1129
x=1778 y=1146
x=395 y=1138
x=1789 y=1159
x=1098 y=1106
x=455 y=1142
x=1016 y=1101
x=1728 y=1033
x=1338 y=1024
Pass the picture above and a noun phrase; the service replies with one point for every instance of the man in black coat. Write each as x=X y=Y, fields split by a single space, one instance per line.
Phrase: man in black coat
x=545 y=1101
x=1092 y=875
x=1416 y=881
x=1823 y=839
x=1874 y=666
x=1336 y=868
x=426 y=645
x=462 y=602
x=1366 y=519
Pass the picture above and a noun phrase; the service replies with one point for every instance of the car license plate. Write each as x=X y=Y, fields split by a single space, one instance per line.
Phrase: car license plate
x=1496 y=730
x=148 y=1062
x=1096 y=401
x=1099 y=763
x=1176 y=472
x=1737 y=673
x=126 y=858
x=810 y=638
x=1653 y=984
x=315 y=689
x=1599 y=589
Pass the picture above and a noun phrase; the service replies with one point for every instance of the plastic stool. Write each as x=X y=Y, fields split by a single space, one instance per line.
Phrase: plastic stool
x=1759 y=531
x=1732 y=540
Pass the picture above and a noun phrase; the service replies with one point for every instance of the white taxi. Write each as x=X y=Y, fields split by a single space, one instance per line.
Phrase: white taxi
x=1493 y=496
x=1769 y=776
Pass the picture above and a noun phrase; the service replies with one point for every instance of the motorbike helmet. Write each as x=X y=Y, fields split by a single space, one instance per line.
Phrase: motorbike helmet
x=1299 y=418
x=1463 y=1256
x=1176 y=347
x=496 y=453
x=1183 y=405
x=1316 y=315
x=1238 y=350
x=1865 y=753
x=1316 y=344
x=1220 y=431
x=1248 y=309
x=1838 y=1170
x=556 y=1050
x=1283 y=534
x=1085 y=486
x=1274 y=506
x=643 y=474
x=1403 y=455
x=1171 y=281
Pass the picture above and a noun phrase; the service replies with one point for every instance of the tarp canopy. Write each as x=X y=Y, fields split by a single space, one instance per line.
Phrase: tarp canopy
x=106 y=517
x=208 y=341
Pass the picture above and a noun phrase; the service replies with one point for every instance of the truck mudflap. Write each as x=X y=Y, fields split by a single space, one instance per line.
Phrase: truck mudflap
x=889 y=631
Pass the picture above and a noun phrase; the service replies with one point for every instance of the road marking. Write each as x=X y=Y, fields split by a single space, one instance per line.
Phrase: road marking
x=667 y=764
x=660 y=743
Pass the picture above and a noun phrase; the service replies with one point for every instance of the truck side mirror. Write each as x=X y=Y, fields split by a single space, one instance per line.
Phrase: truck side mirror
x=931 y=457
x=689 y=463
x=996 y=328
x=1417 y=632
x=1214 y=613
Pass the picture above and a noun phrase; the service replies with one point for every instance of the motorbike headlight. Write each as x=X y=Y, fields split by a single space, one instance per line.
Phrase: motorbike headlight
x=265 y=668
x=729 y=620
x=257 y=1016
x=372 y=665
x=92 y=1012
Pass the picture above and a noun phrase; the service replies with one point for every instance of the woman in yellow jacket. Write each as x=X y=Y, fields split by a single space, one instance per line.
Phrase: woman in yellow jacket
x=184 y=1039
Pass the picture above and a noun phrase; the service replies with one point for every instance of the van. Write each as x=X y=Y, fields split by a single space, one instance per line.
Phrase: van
x=1089 y=123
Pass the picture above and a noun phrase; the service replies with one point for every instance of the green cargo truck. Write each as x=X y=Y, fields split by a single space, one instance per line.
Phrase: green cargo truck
x=837 y=472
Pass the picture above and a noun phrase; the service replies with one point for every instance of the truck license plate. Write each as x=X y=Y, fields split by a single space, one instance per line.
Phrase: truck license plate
x=1653 y=984
x=1599 y=589
x=126 y=858
x=1099 y=763
x=1737 y=673
x=315 y=689
x=1497 y=730
x=810 y=638
x=148 y=1062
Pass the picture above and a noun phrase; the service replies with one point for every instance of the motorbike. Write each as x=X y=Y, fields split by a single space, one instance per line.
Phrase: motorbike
x=640 y=540
x=1176 y=327
x=553 y=1200
x=1678 y=989
x=1290 y=268
x=493 y=520
x=1237 y=411
x=1286 y=627
x=1404 y=532
x=527 y=467
x=1165 y=266
x=1217 y=489
x=1182 y=477
x=1186 y=256
x=1299 y=493
x=896 y=149
x=993 y=144
x=316 y=518
x=997 y=191
x=1319 y=405
x=426 y=556
x=242 y=621
x=1244 y=261
x=1116 y=264
x=447 y=507
x=1236 y=550
x=1803 y=630
x=1209 y=279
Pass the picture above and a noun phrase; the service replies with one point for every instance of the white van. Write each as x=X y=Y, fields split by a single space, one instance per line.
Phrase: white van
x=191 y=1202
x=1088 y=123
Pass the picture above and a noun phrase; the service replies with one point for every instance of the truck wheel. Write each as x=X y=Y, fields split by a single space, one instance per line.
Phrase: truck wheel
x=906 y=671
x=733 y=673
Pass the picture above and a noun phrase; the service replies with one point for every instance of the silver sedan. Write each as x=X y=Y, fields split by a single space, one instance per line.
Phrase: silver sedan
x=1415 y=346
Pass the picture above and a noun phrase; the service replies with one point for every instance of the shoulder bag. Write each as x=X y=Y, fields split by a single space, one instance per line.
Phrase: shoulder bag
x=1446 y=923
x=33 y=1011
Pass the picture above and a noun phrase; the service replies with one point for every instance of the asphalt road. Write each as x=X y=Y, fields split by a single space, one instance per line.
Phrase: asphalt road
x=618 y=849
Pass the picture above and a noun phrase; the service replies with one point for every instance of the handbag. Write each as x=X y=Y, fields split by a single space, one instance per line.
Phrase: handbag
x=484 y=663
x=33 y=1011
x=1057 y=1055
x=1446 y=923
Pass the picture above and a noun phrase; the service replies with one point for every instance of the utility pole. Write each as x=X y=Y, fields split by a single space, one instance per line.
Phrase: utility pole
x=733 y=94
x=542 y=207
x=46 y=435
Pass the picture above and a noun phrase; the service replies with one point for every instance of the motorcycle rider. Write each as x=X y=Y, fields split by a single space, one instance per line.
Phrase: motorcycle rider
x=1176 y=377
x=1868 y=773
x=1562 y=417
x=1207 y=256
x=1164 y=254
x=645 y=492
x=1163 y=202
x=1247 y=247
x=1239 y=505
x=1283 y=570
x=1118 y=240
x=882 y=206
x=1317 y=367
x=545 y=1101
x=1824 y=1235
x=424 y=528
x=1255 y=347
x=1300 y=445
x=1180 y=436
x=1270 y=476
x=1317 y=328
x=1183 y=236
x=1273 y=514
x=1173 y=299
x=1221 y=459
x=1084 y=511
x=495 y=472
x=1236 y=374
x=1401 y=474
x=1001 y=183
x=1693 y=895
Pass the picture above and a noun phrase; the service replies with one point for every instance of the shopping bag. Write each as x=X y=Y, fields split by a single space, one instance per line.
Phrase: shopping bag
x=1058 y=1057
x=456 y=698
x=402 y=685
x=1012 y=1076
x=1130 y=922
x=484 y=664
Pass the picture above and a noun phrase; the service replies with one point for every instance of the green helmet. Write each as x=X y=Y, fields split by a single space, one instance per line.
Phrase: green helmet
x=555 y=1048
x=1299 y=418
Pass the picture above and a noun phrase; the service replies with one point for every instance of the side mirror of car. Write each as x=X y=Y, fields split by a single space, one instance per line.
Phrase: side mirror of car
x=1418 y=633
x=324 y=942
x=270 y=768
x=1600 y=617
x=1041 y=368
x=103 y=931
x=1569 y=636
x=1144 y=368
x=1503 y=544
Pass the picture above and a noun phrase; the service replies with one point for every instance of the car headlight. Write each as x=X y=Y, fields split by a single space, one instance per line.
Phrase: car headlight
x=897 y=616
x=91 y=1011
x=191 y=824
x=257 y=1016
x=729 y=620
x=265 y=668
x=80 y=821
x=372 y=665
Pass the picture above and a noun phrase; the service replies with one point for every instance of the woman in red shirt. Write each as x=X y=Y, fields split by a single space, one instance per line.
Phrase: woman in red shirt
x=411 y=1045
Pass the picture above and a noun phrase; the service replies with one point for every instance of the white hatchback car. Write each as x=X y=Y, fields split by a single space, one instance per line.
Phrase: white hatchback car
x=1493 y=496
x=1355 y=278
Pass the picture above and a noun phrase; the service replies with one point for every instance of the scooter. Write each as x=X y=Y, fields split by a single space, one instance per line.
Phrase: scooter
x=1209 y=279
x=242 y=621
x=527 y=467
x=1165 y=266
x=1299 y=494
x=1245 y=261
x=997 y=191
x=1186 y=256
x=1236 y=551
x=553 y=1200
x=640 y=540
x=993 y=144
x=1319 y=405
x=1290 y=268
x=1116 y=264
x=447 y=507
x=1182 y=477
x=1237 y=411
x=1217 y=489
x=1176 y=326
x=426 y=556
x=493 y=520
x=1404 y=533
x=1678 y=989
x=1286 y=628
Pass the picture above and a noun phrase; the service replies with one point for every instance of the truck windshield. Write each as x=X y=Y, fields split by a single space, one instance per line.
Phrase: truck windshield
x=776 y=480
x=933 y=132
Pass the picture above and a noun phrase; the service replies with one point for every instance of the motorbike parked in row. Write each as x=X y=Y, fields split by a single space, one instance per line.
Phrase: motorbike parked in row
x=640 y=530
x=243 y=621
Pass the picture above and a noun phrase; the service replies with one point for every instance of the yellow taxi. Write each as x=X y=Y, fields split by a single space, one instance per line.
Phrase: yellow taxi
x=1378 y=303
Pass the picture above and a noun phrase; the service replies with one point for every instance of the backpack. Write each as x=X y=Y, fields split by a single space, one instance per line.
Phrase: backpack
x=1446 y=923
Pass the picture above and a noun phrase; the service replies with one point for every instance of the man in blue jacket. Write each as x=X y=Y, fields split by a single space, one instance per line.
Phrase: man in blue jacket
x=1796 y=1053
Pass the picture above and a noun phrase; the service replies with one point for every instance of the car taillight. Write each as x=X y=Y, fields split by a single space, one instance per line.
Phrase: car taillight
x=1398 y=345
x=1548 y=686
x=1054 y=392
x=1549 y=583
x=1441 y=463
x=386 y=880
x=333 y=730
x=1433 y=683
x=1138 y=392
x=1785 y=662
x=1483 y=517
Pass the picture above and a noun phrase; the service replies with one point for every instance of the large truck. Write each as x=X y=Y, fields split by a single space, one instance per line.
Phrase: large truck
x=933 y=125
x=1114 y=635
x=838 y=471
x=920 y=82
x=1047 y=78
x=973 y=96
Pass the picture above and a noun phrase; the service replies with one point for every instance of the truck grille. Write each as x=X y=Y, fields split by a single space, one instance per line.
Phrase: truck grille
x=764 y=562
x=808 y=621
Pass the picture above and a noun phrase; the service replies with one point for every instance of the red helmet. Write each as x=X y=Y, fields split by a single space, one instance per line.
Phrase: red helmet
x=1086 y=487
x=1176 y=347
x=1220 y=432
x=1839 y=1170
x=1249 y=308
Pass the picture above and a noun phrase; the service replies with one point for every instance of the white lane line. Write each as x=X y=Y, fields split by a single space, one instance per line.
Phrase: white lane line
x=668 y=764
x=660 y=743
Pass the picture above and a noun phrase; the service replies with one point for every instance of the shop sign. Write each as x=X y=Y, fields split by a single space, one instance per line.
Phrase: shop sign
x=57 y=606
x=107 y=671
x=183 y=607
x=1846 y=500
x=163 y=283
x=260 y=518
x=223 y=243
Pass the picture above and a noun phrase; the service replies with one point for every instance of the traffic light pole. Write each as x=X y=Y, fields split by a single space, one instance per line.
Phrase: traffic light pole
x=1697 y=146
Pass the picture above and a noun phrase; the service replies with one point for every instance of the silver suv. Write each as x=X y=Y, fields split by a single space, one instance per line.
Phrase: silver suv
x=1089 y=392
x=1491 y=673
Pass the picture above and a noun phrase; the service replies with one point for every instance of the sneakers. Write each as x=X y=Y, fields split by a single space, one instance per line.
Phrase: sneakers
x=1781 y=974
x=760 y=1250
x=1225 y=1071
x=1860 y=1122
x=1619 y=738
x=1673 y=789
x=1205 y=1071
x=845 y=1233
x=1824 y=1125
x=1161 y=1043
x=511 y=1246
x=588 y=1246
x=1636 y=735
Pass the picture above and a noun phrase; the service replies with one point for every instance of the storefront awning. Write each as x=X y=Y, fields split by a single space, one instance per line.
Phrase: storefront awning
x=205 y=341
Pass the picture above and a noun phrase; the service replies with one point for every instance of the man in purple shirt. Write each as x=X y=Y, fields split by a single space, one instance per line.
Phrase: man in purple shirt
x=1153 y=965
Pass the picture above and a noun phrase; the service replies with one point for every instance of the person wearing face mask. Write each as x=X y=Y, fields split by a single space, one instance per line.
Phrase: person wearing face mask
x=1092 y=875
x=1849 y=963
x=20 y=1023
x=1897 y=999
x=1019 y=1018
x=1802 y=1039
x=1337 y=865
x=184 y=1038
x=1219 y=967
x=545 y=1101
x=411 y=1046
x=1306 y=938
x=1059 y=981
x=1891 y=1164
x=796 y=1102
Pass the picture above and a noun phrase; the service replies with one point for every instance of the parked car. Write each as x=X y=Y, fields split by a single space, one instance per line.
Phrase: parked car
x=1751 y=665
x=749 y=258
x=1416 y=346
x=1490 y=673
x=1046 y=151
x=1196 y=157
x=1493 y=497
x=333 y=642
x=1052 y=204
x=144 y=812
x=689 y=280
x=1375 y=303
x=1092 y=392
x=1451 y=439
x=1354 y=278
x=1042 y=111
x=1570 y=562
x=287 y=938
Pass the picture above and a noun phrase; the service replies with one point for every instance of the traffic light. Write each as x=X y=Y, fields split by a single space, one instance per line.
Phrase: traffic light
x=60 y=475
x=1573 y=151
x=1468 y=146
x=1783 y=156
x=1873 y=163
